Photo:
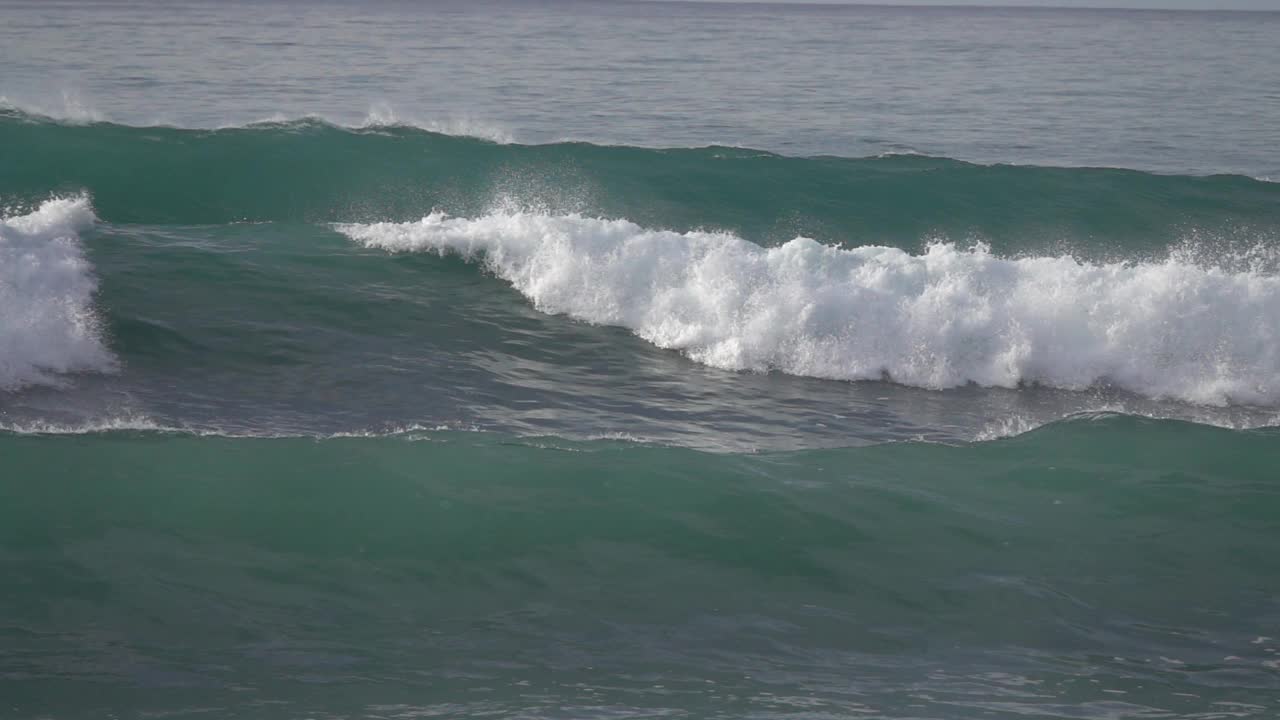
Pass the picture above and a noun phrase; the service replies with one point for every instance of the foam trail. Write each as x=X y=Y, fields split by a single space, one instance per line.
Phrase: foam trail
x=47 y=321
x=91 y=427
x=944 y=318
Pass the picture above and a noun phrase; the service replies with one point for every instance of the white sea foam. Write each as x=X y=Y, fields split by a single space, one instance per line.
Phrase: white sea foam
x=128 y=423
x=947 y=317
x=47 y=319
x=144 y=424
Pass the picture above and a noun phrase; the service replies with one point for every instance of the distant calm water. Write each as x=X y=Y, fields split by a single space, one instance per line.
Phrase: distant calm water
x=635 y=360
x=1167 y=91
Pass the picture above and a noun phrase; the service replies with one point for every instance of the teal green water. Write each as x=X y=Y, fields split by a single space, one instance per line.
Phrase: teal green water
x=313 y=172
x=240 y=366
x=1106 y=566
x=587 y=360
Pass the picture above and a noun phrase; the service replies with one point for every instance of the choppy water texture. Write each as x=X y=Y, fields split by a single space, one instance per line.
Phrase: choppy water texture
x=735 y=411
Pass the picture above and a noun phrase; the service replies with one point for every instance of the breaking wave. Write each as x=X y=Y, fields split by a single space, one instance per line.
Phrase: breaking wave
x=48 y=324
x=946 y=317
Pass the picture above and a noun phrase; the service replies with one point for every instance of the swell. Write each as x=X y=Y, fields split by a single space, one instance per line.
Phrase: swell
x=1213 y=484
x=881 y=532
x=192 y=567
x=311 y=171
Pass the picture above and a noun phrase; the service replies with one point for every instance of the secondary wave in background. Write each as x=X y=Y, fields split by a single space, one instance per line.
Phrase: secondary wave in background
x=314 y=172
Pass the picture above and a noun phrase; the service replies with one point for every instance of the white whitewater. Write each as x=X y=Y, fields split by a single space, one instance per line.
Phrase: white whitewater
x=948 y=317
x=48 y=324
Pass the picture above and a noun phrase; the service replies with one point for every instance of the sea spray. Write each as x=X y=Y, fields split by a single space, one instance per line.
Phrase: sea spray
x=943 y=318
x=48 y=324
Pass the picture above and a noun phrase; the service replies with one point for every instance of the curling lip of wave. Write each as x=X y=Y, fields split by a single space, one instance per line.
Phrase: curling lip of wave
x=47 y=319
x=940 y=319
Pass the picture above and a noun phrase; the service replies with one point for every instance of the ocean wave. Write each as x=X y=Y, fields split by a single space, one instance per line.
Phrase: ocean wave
x=946 y=317
x=1016 y=424
x=47 y=319
x=73 y=110
x=310 y=170
x=999 y=430
x=376 y=119
x=135 y=423
x=97 y=426
x=382 y=115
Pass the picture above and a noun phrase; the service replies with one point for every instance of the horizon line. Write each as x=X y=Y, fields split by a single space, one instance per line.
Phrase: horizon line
x=962 y=4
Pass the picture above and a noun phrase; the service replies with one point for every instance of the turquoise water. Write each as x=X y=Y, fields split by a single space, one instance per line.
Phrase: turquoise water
x=777 y=362
x=1100 y=567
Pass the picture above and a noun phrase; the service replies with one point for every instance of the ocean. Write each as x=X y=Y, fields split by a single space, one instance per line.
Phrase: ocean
x=633 y=360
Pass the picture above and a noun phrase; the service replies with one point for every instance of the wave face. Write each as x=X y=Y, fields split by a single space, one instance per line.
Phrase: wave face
x=1050 y=291
x=47 y=319
x=936 y=320
x=904 y=580
x=310 y=171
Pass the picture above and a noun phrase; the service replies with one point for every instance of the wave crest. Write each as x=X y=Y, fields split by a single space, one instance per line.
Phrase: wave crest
x=947 y=317
x=47 y=320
